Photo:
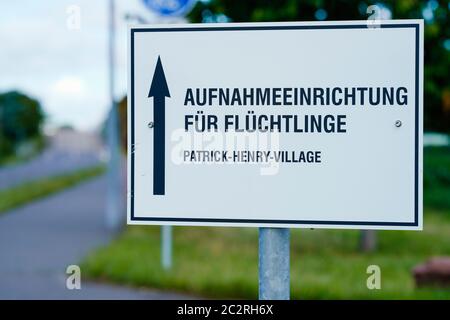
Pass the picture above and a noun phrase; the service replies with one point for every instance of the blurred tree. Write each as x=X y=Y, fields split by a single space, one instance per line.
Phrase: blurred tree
x=122 y=107
x=21 y=118
x=437 y=34
x=5 y=146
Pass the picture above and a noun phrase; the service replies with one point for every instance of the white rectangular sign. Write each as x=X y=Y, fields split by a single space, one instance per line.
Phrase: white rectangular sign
x=276 y=124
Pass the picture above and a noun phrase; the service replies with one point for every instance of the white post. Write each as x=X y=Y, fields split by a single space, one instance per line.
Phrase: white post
x=166 y=247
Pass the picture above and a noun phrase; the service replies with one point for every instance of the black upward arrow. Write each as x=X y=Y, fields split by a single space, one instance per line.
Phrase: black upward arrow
x=159 y=91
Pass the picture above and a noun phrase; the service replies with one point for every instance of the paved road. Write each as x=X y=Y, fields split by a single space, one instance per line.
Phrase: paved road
x=38 y=242
x=67 y=151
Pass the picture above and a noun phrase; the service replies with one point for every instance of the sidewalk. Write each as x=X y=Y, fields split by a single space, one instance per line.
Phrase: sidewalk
x=38 y=242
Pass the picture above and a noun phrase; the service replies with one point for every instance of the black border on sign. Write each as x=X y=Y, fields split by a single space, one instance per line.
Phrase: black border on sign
x=415 y=223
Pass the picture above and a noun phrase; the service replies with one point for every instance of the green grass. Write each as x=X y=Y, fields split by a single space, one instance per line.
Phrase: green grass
x=222 y=262
x=325 y=264
x=30 y=191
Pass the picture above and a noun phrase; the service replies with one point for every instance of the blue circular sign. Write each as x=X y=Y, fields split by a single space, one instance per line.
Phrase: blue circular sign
x=170 y=8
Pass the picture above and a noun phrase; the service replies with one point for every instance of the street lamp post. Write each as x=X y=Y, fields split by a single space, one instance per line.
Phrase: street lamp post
x=114 y=194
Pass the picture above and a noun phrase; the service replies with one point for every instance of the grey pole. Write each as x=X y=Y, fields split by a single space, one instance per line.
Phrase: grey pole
x=368 y=240
x=166 y=247
x=114 y=194
x=274 y=268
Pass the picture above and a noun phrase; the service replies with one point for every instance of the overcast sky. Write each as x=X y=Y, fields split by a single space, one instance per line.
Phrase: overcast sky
x=46 y=55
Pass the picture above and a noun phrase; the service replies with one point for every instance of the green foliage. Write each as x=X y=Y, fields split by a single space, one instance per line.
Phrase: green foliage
x=436 y=178
x=437 y=31
x=21 y=118
x=6 y=147
x=436 y=167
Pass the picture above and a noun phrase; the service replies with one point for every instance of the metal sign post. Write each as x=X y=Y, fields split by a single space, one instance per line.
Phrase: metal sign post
x=274 y=268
